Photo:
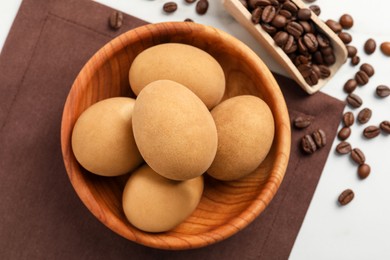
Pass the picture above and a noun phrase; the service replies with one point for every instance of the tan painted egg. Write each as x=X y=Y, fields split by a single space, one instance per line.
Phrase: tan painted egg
x=185 y=64
x=103 y=140
x=174 y=131
x=245 y=127
x=153 y=203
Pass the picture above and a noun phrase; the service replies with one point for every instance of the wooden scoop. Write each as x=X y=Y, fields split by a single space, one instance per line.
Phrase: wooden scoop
x=243 y=16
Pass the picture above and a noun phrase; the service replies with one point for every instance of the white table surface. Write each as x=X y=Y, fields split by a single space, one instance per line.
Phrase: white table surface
x=360 y=230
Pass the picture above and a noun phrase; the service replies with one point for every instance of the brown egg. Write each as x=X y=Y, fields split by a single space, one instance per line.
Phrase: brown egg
x=153 y=203
x=174 y=130
x=185 y=64
x=103 y=140
x=245 y=128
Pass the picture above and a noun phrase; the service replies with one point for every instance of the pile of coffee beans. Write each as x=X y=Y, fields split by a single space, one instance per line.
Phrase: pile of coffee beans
x=294 y=32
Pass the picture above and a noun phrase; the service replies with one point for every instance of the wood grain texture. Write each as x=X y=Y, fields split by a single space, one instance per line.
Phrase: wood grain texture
x=243 y=16
x=225 y=207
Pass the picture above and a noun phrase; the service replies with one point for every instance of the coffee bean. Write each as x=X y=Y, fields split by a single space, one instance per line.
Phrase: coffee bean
x=302 y=122
x=361 y=78
x=333 y=25
x=385 y=48
x=385 y=126
x=301 y=59
x=281 y=38
x=348 y=119
x=116 y=20
x=382 y=91
x=319 y=138
x=350 y=85
x=290 y=45
x=364 y=115
x=370 y=46
x=358 y=156
x=295 y=29
x=324 y=71
x=307 y=26
x=368 y=69
x=310 y=40
x=193 y=1
x=302 y=47
x=343 y=147
x=308 y=144
x=315 y=9
x=345 y=37
x=329 y=59
x=290 y=6
x=354 y=100
x=279 y=21
x=310 y=1
x=170 y=7
x=371 y=131
x=346 y=197
x=312 y=79
x=344 y=133
x=305 y=70
x=352 y=51
x=346 y=21
x=326 y=51
x=268 y=14
x=318 y=58
x=269 y=28
x=364 y=170
x=355 y=60
x=323 y=41
x=304 y=14
x=256 y=15
x=202 y=6
x=188 y=20
x=285 y=13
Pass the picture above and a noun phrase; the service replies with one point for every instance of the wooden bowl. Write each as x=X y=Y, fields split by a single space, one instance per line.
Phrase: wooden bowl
x=225 y=207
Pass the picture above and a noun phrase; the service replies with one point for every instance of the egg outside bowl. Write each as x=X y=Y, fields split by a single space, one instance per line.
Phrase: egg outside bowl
x=225 y=207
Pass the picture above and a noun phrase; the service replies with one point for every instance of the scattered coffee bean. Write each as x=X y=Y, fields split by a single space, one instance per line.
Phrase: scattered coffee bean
x=302 y=122
x=382 y=91
x=170 y=7
x=116 y=20
x=364 y=170
x=368 y=69
x=315 y=9
x=202 y=6
x=193 y=1
x=188 y=20
x=385 y=126
x=361 y=78
x=352 y=51
x=364 y=115
x=346 y=197
x=358 y=156
x=355 y=60
x=319 y=138
x=348 y=119
x=345 y=37
x=333 y=25
x=370 y=46
x=308 y=144
x=371 y=131
x=346 y=21
x=350 y=85
x=354 y=100
x=343 y=148
x=344 y=133
x=385 y=48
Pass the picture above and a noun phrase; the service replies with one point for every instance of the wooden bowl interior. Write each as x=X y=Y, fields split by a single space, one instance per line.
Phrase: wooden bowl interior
x=225 y=207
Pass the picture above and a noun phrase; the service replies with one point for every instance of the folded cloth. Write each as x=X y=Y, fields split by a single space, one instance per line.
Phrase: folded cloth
x=41 y=216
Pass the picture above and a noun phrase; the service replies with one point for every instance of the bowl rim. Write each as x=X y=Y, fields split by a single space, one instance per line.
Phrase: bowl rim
x=279 y=167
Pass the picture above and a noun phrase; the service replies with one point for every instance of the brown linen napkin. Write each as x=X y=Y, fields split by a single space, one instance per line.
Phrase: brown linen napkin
x=41 y=216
